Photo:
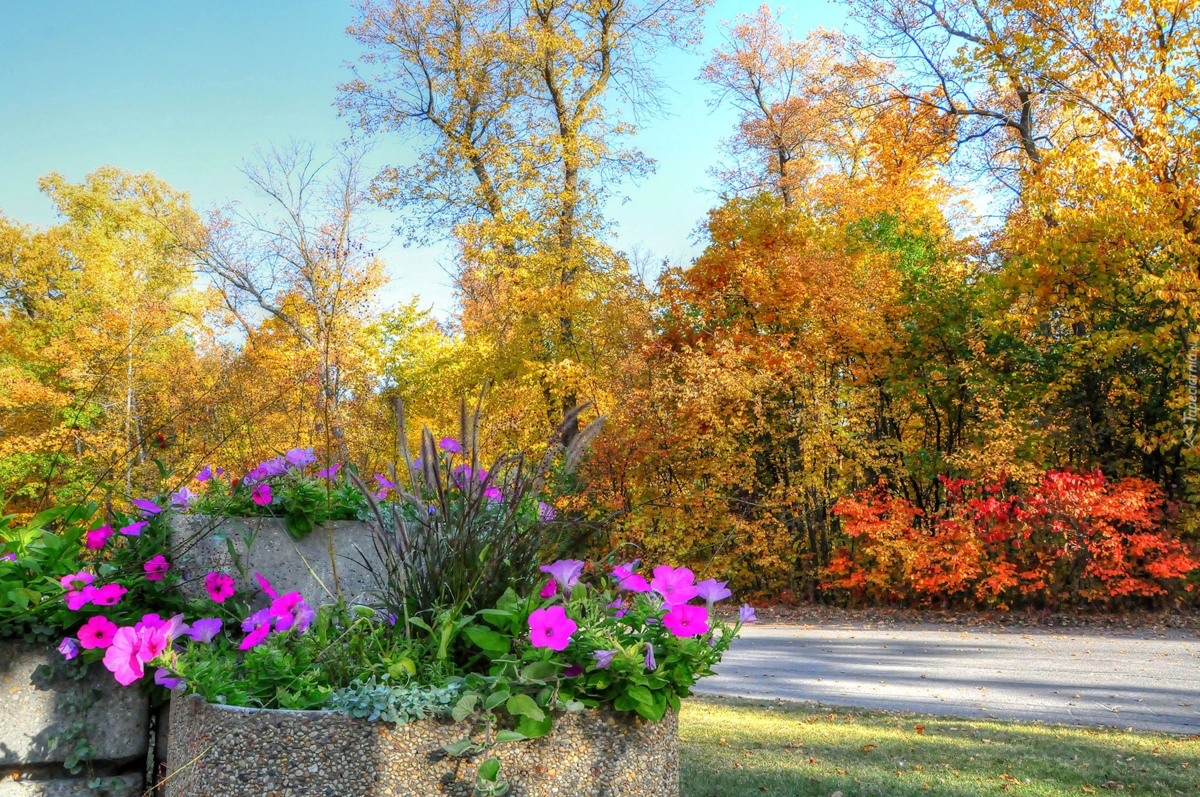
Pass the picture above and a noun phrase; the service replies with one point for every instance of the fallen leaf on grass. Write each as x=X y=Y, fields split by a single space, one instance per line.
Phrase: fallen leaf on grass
x=920 y=729
x=866 y=748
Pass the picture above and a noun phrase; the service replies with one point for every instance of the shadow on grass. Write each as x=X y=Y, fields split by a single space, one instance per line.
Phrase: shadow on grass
x=742 y=748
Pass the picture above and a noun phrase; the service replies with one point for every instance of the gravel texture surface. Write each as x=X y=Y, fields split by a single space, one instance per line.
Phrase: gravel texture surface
x=217 y=750
x=1148 y=680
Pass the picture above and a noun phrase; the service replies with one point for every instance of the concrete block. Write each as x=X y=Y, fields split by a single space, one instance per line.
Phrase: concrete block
x=120 y=786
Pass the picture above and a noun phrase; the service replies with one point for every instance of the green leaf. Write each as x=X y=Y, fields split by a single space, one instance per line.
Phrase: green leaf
x=487 y=639
x=523 y=705
x=419 y=623
x=640 y=694
x=464 y=706
x=575 y=705
x=539 y=671
x=509 y=736
x=509 y=600
x=496 y=699
x=459 y=748
x=489 y=769
x=532 y=729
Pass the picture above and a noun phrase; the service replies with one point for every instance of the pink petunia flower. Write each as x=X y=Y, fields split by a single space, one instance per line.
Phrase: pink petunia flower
x=108 y=595
x=83 y=578
x=205 y=629
x=148 y=507
x=685 y=621
x=257 y=626
x=97 y=537
x=261 y=494
x=493 y=494
x=121 y=658
x=77 y=599
x=629 y=580
x=135 y=529
x=286 y=610
x=98 y=632
x=173 y=628
x=551 y=628
x=156 y=568
x=69 y=648
x=674 y=584
x=550 y=590
x=711 y=591
x=450 y=444
x=219 y=586
x=265 y=585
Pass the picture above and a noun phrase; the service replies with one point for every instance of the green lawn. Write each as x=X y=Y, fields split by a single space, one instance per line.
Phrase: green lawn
x=740 y=748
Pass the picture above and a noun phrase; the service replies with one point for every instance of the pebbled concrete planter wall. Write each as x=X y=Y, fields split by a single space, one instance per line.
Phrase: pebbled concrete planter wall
x=198 y=546
x=40 y=702
x=251 y=752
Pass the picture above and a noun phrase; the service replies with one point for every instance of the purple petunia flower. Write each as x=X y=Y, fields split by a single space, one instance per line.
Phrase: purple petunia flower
x=711 y=591
x=574 y=671
x=330 y=472
x=627 y=579
x=450 y=444
x=205 y=474
x=566 y=573
x=148 y=507
x=545 y=512
x=205 y=629
x=304 y=616
x=385 y=482
x=620 y=608
x=10 y=556
x=493 y=494
x=651 y=665
x=747 y=615
x=134 y=529
x=259 y=618
x=276 y=466
x=604 y=658
x=182 y=498
x=69 y=648
x=163 y=677
x=300 y=457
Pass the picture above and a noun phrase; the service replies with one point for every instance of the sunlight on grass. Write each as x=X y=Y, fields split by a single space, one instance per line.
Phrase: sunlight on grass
x=739 y=748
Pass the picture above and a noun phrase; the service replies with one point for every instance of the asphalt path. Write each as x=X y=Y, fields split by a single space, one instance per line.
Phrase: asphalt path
x=1145 y=681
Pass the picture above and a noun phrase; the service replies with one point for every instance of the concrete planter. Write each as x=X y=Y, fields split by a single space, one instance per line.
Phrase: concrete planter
x=238 y=751
x=39 y=701
x=199 y=546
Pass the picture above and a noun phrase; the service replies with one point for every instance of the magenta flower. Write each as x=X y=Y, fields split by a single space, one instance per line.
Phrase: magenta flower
x=450 y=444
x=384 y=482
x=83 y=578
x=68 y=648
x=164 y=678
x=265 y=585
x=77 y=599
x=604 y=658
x=156 y=568
x=259 y=626
x=493 y=494
x=566 y=573
x=550 y=590
x=135 y=529
x=747 y=615
x=260 y=617
x=627 y=579
x=712 y=591
x=685 y=621
x=675 y=585
x=153 y=642
x=619 y=607
x=286 y=610
x=98 y=632
x=219 y=586
x=304 y=615
x=545 y=512
x=300 y=457
x=205 y=629
x=550 y=628
x=261 y=494
x=182 y=498
x=97 y=537
x=121 y=658
x=171 y=629
x=108 y=595
x=328 y=473
x=148 y=507
x=651 y=665
x=205 y=474
x=8 y=557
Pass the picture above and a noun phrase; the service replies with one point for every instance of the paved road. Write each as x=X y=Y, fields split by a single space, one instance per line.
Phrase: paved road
x=1148 y=681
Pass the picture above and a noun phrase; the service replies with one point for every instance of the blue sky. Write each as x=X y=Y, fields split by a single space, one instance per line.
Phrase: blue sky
x=187 y=90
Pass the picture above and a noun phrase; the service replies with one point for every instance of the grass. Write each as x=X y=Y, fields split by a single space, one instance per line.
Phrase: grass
x=743 y=748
